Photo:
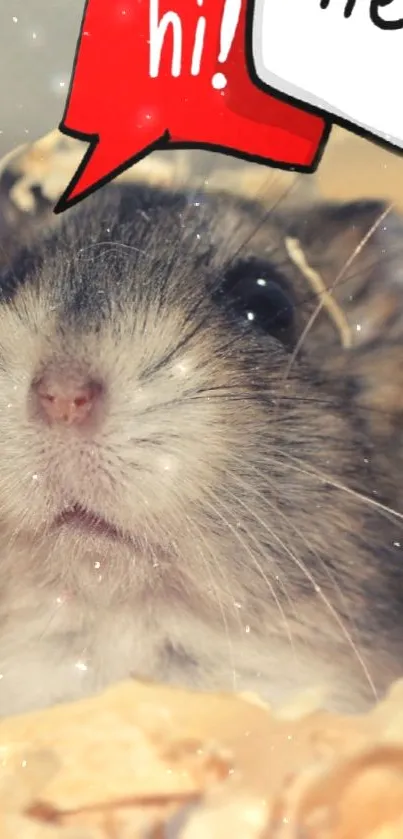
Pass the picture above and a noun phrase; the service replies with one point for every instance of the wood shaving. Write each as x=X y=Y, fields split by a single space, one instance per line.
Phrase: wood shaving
x=145 y=761
x=316 y=282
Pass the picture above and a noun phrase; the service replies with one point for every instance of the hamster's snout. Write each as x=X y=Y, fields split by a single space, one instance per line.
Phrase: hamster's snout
x=64 y=398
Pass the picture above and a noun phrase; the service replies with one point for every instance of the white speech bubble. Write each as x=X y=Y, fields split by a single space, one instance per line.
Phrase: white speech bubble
x=348 y=67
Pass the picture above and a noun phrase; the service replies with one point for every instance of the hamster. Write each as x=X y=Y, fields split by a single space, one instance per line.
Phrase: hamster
x=183 y=496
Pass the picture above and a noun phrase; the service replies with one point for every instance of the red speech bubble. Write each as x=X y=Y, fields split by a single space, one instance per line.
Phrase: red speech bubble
x=173 y=73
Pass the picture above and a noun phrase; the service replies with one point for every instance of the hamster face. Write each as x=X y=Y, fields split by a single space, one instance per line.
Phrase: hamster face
x=179 y=501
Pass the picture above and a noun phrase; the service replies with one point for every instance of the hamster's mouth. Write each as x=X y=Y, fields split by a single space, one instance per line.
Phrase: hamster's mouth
x=87 y=522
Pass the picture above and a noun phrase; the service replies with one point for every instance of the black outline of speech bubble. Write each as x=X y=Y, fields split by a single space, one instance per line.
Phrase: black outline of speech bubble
x=335 y=119
x=164 y=141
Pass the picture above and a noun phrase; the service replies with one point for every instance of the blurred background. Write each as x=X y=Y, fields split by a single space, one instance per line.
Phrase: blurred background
x=38 y=40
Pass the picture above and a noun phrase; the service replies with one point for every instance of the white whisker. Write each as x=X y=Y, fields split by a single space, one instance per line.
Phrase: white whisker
x=256 y=564
x=218 y=599
x=327 y=479
x=325 y=600
x=289 y=524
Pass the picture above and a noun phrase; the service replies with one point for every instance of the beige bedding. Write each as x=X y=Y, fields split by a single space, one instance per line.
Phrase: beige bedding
x=147 y=762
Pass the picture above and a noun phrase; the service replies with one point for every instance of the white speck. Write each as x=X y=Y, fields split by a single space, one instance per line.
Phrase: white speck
x=34 y=36
x=9 y=405
x=182 y=367
x=139 y=394
x=35 y=477
x=397 y=544
x=97 y=564
x=261 y=281
x=15 y=19
x=247 y=629
x=250 y=316
x=358 y=327
x=198 y=236
x=58 y=83
x=81 y=665
x=1 y=675
x=167 y=464
x=237 y=605
x=196 y=203
x=219 y=81
x=60 y=601
x=23 y=763
x=317 y=589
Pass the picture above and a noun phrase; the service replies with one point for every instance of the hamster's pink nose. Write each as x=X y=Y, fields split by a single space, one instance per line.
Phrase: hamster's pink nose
x=66 y=400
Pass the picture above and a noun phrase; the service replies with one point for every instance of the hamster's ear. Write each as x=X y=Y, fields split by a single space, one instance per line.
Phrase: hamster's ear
x=356 y=250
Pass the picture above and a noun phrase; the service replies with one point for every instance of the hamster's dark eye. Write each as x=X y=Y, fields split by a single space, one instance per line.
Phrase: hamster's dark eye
x=259 y=296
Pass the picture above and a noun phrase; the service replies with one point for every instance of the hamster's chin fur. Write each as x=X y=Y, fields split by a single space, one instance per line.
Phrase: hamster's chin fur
x=178 y=501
